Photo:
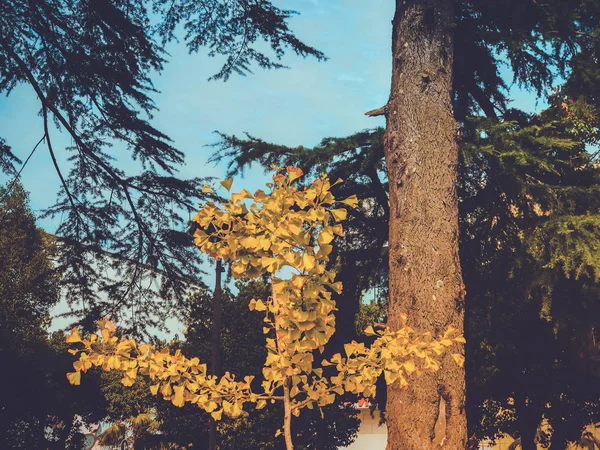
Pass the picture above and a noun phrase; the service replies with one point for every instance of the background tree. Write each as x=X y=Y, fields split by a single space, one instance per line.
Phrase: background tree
x=530 y=212
x=89 y=63
x=42 y=411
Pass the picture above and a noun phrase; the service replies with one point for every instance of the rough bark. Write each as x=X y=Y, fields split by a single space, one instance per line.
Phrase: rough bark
x=425 y=277
x=215 y=353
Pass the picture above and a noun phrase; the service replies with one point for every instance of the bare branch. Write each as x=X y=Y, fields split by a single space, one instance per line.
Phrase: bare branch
x=378 y=112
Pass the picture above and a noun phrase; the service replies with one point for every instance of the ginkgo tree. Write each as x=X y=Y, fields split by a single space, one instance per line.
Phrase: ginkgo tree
x=286 y=234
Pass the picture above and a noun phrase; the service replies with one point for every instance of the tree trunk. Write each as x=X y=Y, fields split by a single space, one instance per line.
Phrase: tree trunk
x=215 y=353
x=287 y=415
x=425 y=277
x=529 y=416
x=528 y=431
x=287 y=401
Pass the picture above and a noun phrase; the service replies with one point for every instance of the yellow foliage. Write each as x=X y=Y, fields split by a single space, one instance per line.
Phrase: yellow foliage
x=289 y=226
x=227 y=183
x=74 y=378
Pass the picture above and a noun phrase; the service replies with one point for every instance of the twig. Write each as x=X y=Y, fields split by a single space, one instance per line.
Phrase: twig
x=12 y=183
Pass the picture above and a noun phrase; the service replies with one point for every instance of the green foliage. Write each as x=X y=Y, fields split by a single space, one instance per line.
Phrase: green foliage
x=41 y=410
x=543 y=43
x=371 y=314
x=530 y=261
x=28 y=281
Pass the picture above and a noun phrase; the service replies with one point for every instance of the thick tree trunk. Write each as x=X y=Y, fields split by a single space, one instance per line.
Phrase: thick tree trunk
x=215 y=353
x=425 y=277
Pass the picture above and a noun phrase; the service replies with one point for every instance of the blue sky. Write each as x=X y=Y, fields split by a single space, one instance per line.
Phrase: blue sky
x=298 y=106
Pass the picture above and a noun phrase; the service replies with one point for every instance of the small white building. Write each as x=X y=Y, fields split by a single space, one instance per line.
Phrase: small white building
x=371 y=435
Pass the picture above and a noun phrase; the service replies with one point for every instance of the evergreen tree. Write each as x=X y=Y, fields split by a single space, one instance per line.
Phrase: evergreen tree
x=530 y=257
x=524 y=181
x=28 y=281
x=89 y=63
x=42 y=410
x=448 y=55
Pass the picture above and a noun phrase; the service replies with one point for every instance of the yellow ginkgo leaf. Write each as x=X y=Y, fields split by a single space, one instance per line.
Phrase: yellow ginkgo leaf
x=178 y=399
x=249 y=242
x=260 y=306
x=166 y=390
x=74 y=378
x=339 y=214
x=351 y=201
x=409 y=366
x=460 y=359
x=206 y=188
x=369 y=331
x=325 y=236
x=227 y=183
x=294 y=173
x=74 y=336
x=308 y=261
x=446 y=342
x=126 y=381
x=240 y=196
x=217 y=414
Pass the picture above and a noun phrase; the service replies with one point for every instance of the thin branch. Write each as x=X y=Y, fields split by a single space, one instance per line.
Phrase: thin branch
x=80 y=144
x=241 y=49
x=187 y=279
x=583 y=33
x=484 y=102
x=55 y=163
x=379 y=190
x=12 y=183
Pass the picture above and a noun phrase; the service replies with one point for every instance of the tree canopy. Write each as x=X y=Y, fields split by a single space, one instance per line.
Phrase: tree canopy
x=41 y=410
x=124 y=208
